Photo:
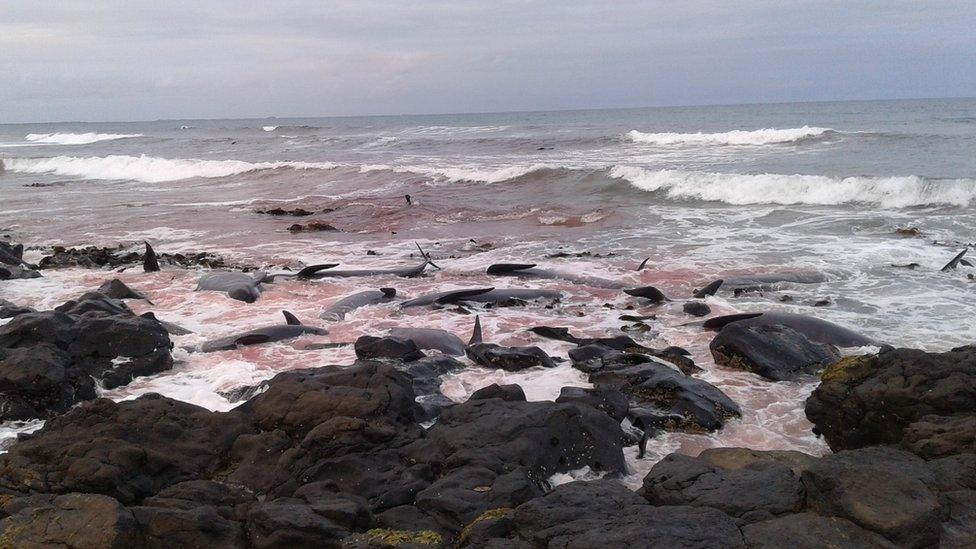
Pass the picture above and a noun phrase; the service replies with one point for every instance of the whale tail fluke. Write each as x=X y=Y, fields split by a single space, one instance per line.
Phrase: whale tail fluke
x=426 y=256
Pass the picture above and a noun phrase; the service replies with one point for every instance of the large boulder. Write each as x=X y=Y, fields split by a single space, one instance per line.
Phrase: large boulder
x=72 y=520
x=876 y=399
x=127 y=450
x=775 y=352
x=606 y=514
x=683 y=402
x=497 y=453
x=808 y=530
x=50 y=360
x=761 y=490
x=885 y=490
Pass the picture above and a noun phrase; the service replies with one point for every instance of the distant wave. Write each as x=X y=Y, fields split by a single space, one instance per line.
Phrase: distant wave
x=463 y=173
x=269 y=128
x=76 y=138
x=741 y=189
x=148 y=169
x=768 y=136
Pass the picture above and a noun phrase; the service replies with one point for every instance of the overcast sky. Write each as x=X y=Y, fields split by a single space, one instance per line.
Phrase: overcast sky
x=132 y=60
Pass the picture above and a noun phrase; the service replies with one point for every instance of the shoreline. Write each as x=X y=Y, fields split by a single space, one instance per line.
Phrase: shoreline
x=387 y=450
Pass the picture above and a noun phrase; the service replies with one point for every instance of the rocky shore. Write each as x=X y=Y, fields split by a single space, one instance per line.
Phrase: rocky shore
x=373 y=455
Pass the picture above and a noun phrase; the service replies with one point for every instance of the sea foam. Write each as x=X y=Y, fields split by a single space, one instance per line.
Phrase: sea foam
x=76 y=138
x=148 y=169
x=767 y=136
x=742 y=189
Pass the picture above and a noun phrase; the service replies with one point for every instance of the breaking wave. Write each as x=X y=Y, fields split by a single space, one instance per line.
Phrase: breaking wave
x=459 y=174
x=148 y=169
x=768 y=136
x=77 y=138
x=742 y=189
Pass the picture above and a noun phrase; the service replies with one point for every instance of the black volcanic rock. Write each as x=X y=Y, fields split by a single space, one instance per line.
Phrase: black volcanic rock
x=775 y=352
x=922 y=400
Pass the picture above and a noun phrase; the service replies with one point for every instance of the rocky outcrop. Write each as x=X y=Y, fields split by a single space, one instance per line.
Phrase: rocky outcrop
x=775 y=352
x=510 y=359
x=52 y=359
x=924 y=401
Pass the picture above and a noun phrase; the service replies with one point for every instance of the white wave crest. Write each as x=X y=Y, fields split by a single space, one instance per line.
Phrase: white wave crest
x=76 y=138
x=767 y=136
x=456 y=174
x=148 y=169
x=269 y=128
x=742 y=189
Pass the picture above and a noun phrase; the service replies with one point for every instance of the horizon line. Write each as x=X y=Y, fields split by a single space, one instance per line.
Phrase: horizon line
x=525 y=111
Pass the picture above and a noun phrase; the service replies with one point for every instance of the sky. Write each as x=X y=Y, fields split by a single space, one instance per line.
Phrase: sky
x=95 y=60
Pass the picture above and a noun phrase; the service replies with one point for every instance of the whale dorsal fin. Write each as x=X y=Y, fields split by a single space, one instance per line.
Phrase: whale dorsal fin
x=291 y=319
x=643 y=264
x=388 y=292
x=312 y=269
x=710 y=289
x=506 y=268
x=149 y=262
x=476 y=333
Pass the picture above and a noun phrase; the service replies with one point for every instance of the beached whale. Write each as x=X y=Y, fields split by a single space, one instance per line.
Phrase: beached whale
x=482 y=295
x=766 y=280
x=813 y=328
x=327 y=271
x=337 y=311
x=266 y=334
x=239 y=286
x=432 y=338
x=529 y=270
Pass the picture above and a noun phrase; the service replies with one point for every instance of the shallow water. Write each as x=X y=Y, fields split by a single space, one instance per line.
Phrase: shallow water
x=704 y=193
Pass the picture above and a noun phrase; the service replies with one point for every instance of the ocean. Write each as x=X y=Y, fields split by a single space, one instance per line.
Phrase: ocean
x=704 y=192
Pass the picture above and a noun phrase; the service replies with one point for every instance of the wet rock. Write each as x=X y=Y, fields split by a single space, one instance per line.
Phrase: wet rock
x=873 y=399
x=291 y=524
x=342 y=426
x=808 y=530
x=700 y=405
x=606 y=514
x=40 y=381
x=13 y=272
x=11 y=254
x=696 y=308
x=495 y=453
x=49 y=358
x=229 y=501
x=595 y=357
x=959 y=522
x=607 y=399
x=127 y=450
x=93 y=257
x=396 y=348
x=510 y=359
x=117 y=289
x=312 y=226
x=72 y=520
x=881 y=489
x=197 y=527
x=938 y=436
x=297 y=212
x=775 y=352
x=761 y=490
x=10 y=310
x=511 y=393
